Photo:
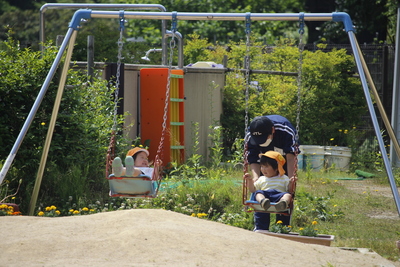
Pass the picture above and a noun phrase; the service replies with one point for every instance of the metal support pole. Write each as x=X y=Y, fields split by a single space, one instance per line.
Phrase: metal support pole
x=388 y=167
x=379 y=103
x=52 y=123
x=396 y=93
x=34 y=108
x=161 y=8
x=178 y=35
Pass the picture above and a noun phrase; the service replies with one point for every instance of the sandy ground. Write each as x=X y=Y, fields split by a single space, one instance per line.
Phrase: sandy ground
x=157 y=238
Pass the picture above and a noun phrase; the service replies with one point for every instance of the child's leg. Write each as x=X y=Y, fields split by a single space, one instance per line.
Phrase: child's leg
x=117 y=167
x=283 y=203
x=264 y=202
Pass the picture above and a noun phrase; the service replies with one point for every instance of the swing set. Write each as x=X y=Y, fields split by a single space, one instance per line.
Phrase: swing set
x=85 y=14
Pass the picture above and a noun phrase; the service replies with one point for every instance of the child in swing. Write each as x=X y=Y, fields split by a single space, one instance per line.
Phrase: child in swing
x=136 y=158
x=273 y=186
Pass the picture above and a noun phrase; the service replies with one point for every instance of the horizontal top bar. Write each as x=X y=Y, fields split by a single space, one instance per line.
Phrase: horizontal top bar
x=213 y=16
x=101 y=6
x=336 y=16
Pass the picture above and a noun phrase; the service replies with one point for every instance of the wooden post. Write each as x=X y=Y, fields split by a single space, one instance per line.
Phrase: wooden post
x=90 y=57
x=59 y=40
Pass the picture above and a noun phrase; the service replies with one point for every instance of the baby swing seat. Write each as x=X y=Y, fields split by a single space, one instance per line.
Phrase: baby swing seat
x=132 y=187
x=255 y=205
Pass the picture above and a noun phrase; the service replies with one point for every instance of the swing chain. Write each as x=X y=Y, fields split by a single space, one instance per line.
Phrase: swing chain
x=247 y=68
x=299 y=85
x=118 y=75
x=158 y=163
x=300 y=74
x=111 y=147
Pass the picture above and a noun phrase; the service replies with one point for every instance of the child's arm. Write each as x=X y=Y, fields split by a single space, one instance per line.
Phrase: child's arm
x=250 y=182
x=292 y=181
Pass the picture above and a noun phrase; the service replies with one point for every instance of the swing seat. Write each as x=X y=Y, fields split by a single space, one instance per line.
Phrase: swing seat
x=132 y=187
x=255 y=205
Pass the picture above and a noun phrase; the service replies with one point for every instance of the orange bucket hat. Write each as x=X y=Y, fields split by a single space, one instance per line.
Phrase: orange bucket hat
x=278 y=157
x=135 y=150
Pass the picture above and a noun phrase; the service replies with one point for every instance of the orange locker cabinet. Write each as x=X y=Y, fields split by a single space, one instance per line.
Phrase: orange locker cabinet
x=153 y=85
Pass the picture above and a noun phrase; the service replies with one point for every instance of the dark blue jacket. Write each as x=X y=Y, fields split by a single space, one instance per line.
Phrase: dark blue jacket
x=284 y=139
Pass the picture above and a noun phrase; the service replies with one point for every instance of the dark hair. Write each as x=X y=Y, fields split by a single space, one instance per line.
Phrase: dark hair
x=269 y=161
x=136 y=154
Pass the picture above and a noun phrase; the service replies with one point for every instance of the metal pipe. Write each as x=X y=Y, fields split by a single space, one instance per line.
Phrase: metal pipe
x=45 y=7
x=52 y=124
x=379 y=104
x=215 y=16
x=385 y=158
x=34 y=108
x=146 y=57
x=178 y=35
x=396 y=93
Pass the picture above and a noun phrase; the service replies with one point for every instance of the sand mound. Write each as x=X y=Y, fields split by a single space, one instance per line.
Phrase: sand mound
x=156 y=238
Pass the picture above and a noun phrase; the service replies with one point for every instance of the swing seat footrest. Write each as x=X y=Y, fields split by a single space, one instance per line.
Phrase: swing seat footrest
x=255 y=205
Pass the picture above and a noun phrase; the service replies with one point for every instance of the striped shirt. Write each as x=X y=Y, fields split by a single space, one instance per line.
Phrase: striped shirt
x=279 y=183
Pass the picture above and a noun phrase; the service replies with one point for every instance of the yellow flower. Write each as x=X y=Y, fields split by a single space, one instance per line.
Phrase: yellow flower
x=332 y=139
x=346 y=131
x=335 y=206
x=314 y=222
x=58 y=212
x=340 y=130
x=279 y=222
x=71 y=210
x=47 y=209
x=76 y=212
x=53 y=207
x=301 y=228
x=43 y=124
x=85 y=209
x=193 y=215
x=41 y=213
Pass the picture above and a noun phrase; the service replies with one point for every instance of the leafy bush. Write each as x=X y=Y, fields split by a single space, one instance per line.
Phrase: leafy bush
x=79 y=143
x=329 y=94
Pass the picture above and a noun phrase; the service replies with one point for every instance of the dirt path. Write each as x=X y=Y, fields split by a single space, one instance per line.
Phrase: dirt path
x=367 y=186
x=157 y=238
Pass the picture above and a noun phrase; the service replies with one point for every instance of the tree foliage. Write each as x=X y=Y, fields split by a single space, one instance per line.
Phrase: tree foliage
x=82 y=129
x=331 y=99
x=382 y=14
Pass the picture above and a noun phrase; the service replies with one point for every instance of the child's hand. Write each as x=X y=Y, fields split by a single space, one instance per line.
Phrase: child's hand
x=247 y=176
x=293 y=179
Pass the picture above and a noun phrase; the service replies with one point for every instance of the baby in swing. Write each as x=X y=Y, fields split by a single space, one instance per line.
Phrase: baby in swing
x=273 y=186
x=136 y=158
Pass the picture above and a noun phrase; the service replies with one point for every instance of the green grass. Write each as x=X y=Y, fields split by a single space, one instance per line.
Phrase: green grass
x=370 y=218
